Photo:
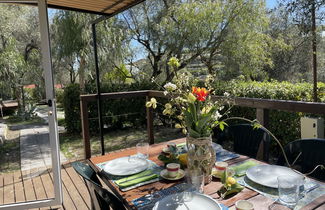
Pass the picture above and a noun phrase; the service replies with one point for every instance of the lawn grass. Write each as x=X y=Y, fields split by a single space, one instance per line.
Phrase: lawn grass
x=10 y=157
x=17 y=121
x=10 y=153
x=72 y=145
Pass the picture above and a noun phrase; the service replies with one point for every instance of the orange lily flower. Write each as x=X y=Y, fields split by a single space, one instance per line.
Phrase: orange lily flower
x=200 y=93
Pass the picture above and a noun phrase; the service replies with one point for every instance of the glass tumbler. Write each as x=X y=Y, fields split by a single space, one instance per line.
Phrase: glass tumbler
x=143 y=150
x=196 y=180
x=288 y=187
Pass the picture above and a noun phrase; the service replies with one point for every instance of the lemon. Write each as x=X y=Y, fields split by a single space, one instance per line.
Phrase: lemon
x=230 y=181
x=183 y=159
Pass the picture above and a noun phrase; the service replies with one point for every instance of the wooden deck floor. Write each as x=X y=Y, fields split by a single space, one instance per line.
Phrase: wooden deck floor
x=37 y=184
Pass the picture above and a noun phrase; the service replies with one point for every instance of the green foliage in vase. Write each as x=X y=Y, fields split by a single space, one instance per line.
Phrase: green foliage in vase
x=192 y=106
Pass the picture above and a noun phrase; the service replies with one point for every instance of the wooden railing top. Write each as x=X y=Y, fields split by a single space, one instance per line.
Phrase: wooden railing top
x=283 y=105
x=114 y=95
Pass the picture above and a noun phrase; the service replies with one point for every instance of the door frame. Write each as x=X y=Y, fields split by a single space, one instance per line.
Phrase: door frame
x=50 y=98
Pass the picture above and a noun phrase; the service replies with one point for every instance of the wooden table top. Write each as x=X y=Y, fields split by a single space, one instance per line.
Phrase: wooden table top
x=260 y=201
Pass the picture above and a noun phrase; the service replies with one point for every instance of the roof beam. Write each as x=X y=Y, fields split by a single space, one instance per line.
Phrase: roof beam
x=113 y=5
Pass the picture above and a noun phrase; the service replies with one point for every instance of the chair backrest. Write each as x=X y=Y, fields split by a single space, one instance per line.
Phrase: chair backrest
x=100 y=197
x=312 y=153
x=247 y=140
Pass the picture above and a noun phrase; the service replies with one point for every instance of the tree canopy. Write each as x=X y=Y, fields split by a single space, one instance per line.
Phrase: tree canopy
x=229 y=39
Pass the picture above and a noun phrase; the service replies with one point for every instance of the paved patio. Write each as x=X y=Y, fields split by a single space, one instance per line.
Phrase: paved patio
x=35 y=151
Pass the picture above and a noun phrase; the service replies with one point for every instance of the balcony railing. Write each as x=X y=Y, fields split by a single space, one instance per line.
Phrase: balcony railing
x=262 y=107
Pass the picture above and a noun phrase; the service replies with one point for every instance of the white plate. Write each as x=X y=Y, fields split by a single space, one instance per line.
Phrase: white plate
x=267 y=174
x=199 y=202
x=126 y=166
x=164 y=174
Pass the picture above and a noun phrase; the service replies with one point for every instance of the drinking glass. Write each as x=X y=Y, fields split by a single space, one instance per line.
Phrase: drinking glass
x=187 y=191
x=288 y=187
x=244 y=205
x=196 y=179
x=143 y=150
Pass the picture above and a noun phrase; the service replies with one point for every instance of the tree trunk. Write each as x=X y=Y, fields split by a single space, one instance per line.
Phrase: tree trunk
x=82 y=74
x=155 y=66
x=17 y=94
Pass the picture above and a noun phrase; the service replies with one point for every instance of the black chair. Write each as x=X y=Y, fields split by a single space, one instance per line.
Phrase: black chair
x=247 y=140
x=100 y=197
x=311 y=153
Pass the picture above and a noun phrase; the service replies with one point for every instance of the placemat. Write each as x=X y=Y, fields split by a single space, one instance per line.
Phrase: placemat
x=152 y=166
x=224 y=155
x=272 y=193
x=148 y=201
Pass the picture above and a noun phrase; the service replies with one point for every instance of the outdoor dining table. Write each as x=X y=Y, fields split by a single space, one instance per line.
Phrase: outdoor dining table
x=259 y=201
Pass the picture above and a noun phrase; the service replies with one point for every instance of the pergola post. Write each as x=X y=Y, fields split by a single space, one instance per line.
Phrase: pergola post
x=99 y=101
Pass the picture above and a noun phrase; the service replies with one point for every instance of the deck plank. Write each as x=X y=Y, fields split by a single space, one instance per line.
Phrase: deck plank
x=79 y=184
x=67 y=201
x=48 y=184
x=39 y=188
x=73 y=191
x=8 y=190
x=49 y=187
x=1 y=189
x=28 y=186
x=19 y=187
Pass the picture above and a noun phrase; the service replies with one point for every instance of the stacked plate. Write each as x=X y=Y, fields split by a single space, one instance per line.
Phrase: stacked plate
x=197 y=201
x=126 y=166
x=266 y=175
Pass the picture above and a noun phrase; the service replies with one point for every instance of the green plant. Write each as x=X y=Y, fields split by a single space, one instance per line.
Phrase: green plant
x=278 y=120
x=71 y=105
x=117 y=113
x=197 y=114
x=59 y=94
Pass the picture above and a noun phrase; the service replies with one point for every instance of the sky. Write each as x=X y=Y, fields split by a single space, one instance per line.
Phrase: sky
x=271 y=3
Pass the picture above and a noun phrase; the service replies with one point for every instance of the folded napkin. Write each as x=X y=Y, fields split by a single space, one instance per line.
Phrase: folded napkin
x=181 y=144
x=136 y=179
x=241 y=169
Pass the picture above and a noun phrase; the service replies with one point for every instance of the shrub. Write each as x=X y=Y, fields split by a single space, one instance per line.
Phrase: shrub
x=71 y=105
x=120 y=113
x=117 y=113
x=59 y=95
x=284 y=125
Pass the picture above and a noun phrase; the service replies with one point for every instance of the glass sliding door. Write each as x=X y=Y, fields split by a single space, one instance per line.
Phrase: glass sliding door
x=30 y=175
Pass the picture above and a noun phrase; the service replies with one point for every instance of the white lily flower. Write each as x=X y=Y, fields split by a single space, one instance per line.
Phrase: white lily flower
x=170 y=86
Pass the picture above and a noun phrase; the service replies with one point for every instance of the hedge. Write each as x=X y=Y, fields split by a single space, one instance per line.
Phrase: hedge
x=71 y=106
x=117 y=113
x=120 y=113
x=284 y=125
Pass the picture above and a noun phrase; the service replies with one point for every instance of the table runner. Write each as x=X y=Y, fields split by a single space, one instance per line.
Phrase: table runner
x=152 y=166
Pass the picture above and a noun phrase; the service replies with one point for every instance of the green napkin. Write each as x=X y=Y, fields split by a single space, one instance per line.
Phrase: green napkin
x=136 y=179
x=181 y=144
x=241 y=168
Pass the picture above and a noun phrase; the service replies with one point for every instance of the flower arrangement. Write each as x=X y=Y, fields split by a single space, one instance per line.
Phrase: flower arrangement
x=196 y=114
x=192 y=106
